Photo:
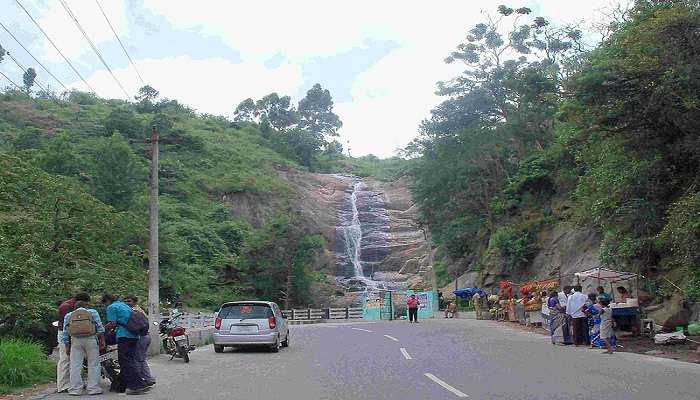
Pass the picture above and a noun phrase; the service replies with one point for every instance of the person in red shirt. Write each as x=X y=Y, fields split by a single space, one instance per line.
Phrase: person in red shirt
x=63 y=365
x=413 y=304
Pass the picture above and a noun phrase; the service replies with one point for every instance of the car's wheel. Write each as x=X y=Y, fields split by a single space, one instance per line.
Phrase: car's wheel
x=285 y=342
x=276 y=347
x=218 y=348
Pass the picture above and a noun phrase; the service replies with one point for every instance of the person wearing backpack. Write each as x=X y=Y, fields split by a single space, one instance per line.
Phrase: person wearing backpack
x=83 y=336
x=120 y=316
x=63 y=364
x=143 y=345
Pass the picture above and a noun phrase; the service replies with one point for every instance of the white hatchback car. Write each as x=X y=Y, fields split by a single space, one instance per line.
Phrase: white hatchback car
x=250 y=323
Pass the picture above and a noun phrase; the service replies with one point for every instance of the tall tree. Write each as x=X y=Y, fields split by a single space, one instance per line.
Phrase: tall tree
x=276 y=111
x=146 y=97
x=316 y=113
x=245 y=112
x=29 y=77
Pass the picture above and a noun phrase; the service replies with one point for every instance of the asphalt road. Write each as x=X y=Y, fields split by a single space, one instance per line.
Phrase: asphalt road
x=441 y=359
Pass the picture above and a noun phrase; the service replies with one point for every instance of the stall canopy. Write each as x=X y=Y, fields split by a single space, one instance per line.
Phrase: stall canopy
x=538 y=286
x=606 y=274
x=467 y=293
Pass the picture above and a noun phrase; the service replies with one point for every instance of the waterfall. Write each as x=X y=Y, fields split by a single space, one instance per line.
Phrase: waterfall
x=353 y=234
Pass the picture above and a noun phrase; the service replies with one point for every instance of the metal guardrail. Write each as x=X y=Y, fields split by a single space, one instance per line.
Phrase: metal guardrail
x=194 y=320
x=297 y=314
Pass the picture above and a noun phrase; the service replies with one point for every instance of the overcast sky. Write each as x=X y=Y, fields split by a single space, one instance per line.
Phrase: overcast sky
x=380 y=59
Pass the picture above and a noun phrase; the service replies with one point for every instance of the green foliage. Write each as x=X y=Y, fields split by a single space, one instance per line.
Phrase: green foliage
x=119 y=175
x=23 y=363
x=280 y=256
x=515 y=245
x=608 y=137
x=681 y=236
x=316 y=113
x=28 y=79
x=126 y=122
x=56 y=239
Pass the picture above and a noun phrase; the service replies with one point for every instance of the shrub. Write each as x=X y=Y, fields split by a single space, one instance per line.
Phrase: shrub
x=23 y=363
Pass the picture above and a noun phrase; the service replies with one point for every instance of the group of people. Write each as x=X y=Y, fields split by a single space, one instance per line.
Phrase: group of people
x=579 y=319
x=82 y=337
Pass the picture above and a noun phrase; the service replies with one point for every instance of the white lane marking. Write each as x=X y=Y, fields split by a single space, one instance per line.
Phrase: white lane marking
x=445 y=385
x=363 y=330
x=392 y=338
x=405 y=354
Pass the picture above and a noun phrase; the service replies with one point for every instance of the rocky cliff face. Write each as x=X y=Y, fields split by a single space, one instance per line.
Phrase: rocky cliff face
x=563 y=249
x=392 y=248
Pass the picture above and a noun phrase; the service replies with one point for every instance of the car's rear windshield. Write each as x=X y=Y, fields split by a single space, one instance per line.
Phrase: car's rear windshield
x=247 y=311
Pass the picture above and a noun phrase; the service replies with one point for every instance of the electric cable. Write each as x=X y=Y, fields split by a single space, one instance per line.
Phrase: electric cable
x=32 y=55
x=94 y=48
x=120 y=42
x=54 y=46
x=25 y=71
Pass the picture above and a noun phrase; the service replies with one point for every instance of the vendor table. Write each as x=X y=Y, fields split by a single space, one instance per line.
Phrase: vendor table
x=627 y=318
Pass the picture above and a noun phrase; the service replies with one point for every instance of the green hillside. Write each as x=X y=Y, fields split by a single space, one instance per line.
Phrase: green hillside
x=540 y=130
x=74 y=204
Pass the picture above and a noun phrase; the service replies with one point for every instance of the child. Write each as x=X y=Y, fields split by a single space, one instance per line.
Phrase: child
x=606 y=324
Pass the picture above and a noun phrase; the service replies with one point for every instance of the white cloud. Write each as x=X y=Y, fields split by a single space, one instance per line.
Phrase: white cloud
x=388 y=100
x=213 y=85
x=54 y=19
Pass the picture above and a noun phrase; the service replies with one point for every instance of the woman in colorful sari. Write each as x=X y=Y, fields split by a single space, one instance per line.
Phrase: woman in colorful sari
x=593 y=312
x=557 y=317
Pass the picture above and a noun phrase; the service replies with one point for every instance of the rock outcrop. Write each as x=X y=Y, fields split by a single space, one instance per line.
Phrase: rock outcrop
x=393 y=247
x=563 y=250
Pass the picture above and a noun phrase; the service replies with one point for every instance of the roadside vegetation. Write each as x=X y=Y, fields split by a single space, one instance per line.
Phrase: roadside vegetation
x=542 y=129
x=74 y=200
x=22 y=364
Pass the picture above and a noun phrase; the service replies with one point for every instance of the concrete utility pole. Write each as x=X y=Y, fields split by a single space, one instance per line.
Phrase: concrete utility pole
x=153 y=272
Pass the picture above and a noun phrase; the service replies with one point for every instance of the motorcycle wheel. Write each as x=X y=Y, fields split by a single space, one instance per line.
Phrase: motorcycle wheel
x=184 y=354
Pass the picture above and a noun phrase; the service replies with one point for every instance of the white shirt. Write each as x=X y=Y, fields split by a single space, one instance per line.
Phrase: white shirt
x=574 y=306
x=563 y=298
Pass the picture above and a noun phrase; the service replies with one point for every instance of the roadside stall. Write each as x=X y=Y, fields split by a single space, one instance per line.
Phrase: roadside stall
x=468 y=293
x=626 y=312
x=534 y=303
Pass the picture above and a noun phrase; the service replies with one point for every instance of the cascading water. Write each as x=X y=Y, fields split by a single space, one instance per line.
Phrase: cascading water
x=362 y=232
x=353 y=234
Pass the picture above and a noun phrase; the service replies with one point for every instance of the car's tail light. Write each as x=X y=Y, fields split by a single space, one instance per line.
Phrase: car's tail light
x=273 y=322
x=217 y=323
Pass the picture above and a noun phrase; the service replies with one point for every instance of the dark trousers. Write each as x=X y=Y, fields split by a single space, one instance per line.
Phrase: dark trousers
x=129 y=373
x=580 y=330
x=413 y=314
x=566 y=330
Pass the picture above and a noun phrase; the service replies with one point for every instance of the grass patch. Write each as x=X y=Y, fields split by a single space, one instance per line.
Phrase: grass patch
x=23 y=363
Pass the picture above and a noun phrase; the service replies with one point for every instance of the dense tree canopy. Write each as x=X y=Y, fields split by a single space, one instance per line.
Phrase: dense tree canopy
x=537 y=119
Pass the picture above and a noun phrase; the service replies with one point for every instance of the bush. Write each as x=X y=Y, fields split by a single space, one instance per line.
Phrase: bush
x=23 y=363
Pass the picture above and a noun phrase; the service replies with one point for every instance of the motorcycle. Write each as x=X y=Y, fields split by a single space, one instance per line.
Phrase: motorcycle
x=176 y=341
x=109 y=364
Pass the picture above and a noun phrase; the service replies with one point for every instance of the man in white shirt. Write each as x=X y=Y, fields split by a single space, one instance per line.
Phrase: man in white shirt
x=579 y=322
x=563 y=298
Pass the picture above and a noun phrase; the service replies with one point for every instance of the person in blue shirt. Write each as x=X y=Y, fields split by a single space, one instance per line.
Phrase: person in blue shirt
x=129 y=379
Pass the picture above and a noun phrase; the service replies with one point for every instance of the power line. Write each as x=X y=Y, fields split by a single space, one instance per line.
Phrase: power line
x=54 y=46
x=28 y=52
x=25 y=71
x=19 y=88
x=120 y=43
x=94 y=48
x=12 y=82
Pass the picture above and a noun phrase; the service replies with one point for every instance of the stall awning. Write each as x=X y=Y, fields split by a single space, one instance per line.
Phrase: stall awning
x=469 y=292
x=607 y=274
